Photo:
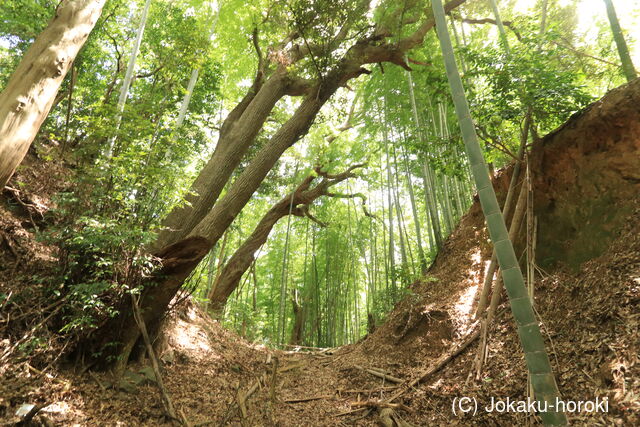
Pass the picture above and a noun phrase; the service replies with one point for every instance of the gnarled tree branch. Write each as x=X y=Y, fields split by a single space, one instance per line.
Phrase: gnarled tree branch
x=297 y=203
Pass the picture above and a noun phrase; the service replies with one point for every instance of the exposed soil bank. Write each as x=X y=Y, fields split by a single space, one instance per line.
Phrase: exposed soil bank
x=585 y=175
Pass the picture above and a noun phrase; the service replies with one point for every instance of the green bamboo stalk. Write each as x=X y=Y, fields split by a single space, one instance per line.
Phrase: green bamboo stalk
x=538 y=364
x=506 y=212
x=621 y=44
x=445 y=179
x=384 y=231
x=392 y=260
x=407 y=261
x=429 y=190
x=282 y=320
x=416 y=219
x=543 y=17
x=503 y=33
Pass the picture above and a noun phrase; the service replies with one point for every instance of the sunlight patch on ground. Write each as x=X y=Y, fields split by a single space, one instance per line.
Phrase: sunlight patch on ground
x=59 y=411
x=190 y=337
x=57 y=408
x=463 y=307
x=192 y=314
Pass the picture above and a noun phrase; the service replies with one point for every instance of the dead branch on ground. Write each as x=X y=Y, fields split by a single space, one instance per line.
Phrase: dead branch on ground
x=379 y=374
x=166 y=400
x=308 y=399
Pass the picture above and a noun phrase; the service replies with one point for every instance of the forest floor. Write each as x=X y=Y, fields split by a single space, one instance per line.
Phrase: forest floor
x=590 y=319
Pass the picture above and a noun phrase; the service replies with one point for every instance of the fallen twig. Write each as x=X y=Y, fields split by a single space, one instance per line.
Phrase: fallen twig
x=10 y=246
x=353 y=411
x=28 y=206
x=370 y=390
x=26 y=419
x=390 y=418
x=42 y=310
x=242 y=398
x=28 y=335
x=381 y=404
x=446 y=359
x=272 y=392
x=185 y=421
x=203 y=423
x=166 y=400
x=303 y=347
x=42 y=374
x=379 y=374
x=97 y=380
x=291 y=367
x=308 y=399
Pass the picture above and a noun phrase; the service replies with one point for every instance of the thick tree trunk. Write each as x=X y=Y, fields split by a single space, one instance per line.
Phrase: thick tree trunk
x=180 y=258
x=236 y=136
x=32 y=89
x=245 y=121
x=241 y=260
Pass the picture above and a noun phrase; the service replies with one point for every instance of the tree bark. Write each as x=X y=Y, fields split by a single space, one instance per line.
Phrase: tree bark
x=193 y=248
x=245 y=121
x=236 y=136
x=32 y=88
x=299 y=314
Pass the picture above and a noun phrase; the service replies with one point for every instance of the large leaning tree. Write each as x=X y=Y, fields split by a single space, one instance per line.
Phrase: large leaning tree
x=311 y=61
x=26 y=100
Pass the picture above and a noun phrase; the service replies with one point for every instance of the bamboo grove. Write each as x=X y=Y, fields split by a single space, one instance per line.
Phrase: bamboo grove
x=343 y=270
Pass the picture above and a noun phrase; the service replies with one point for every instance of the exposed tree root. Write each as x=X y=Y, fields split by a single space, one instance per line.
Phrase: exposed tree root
x=31 y=207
